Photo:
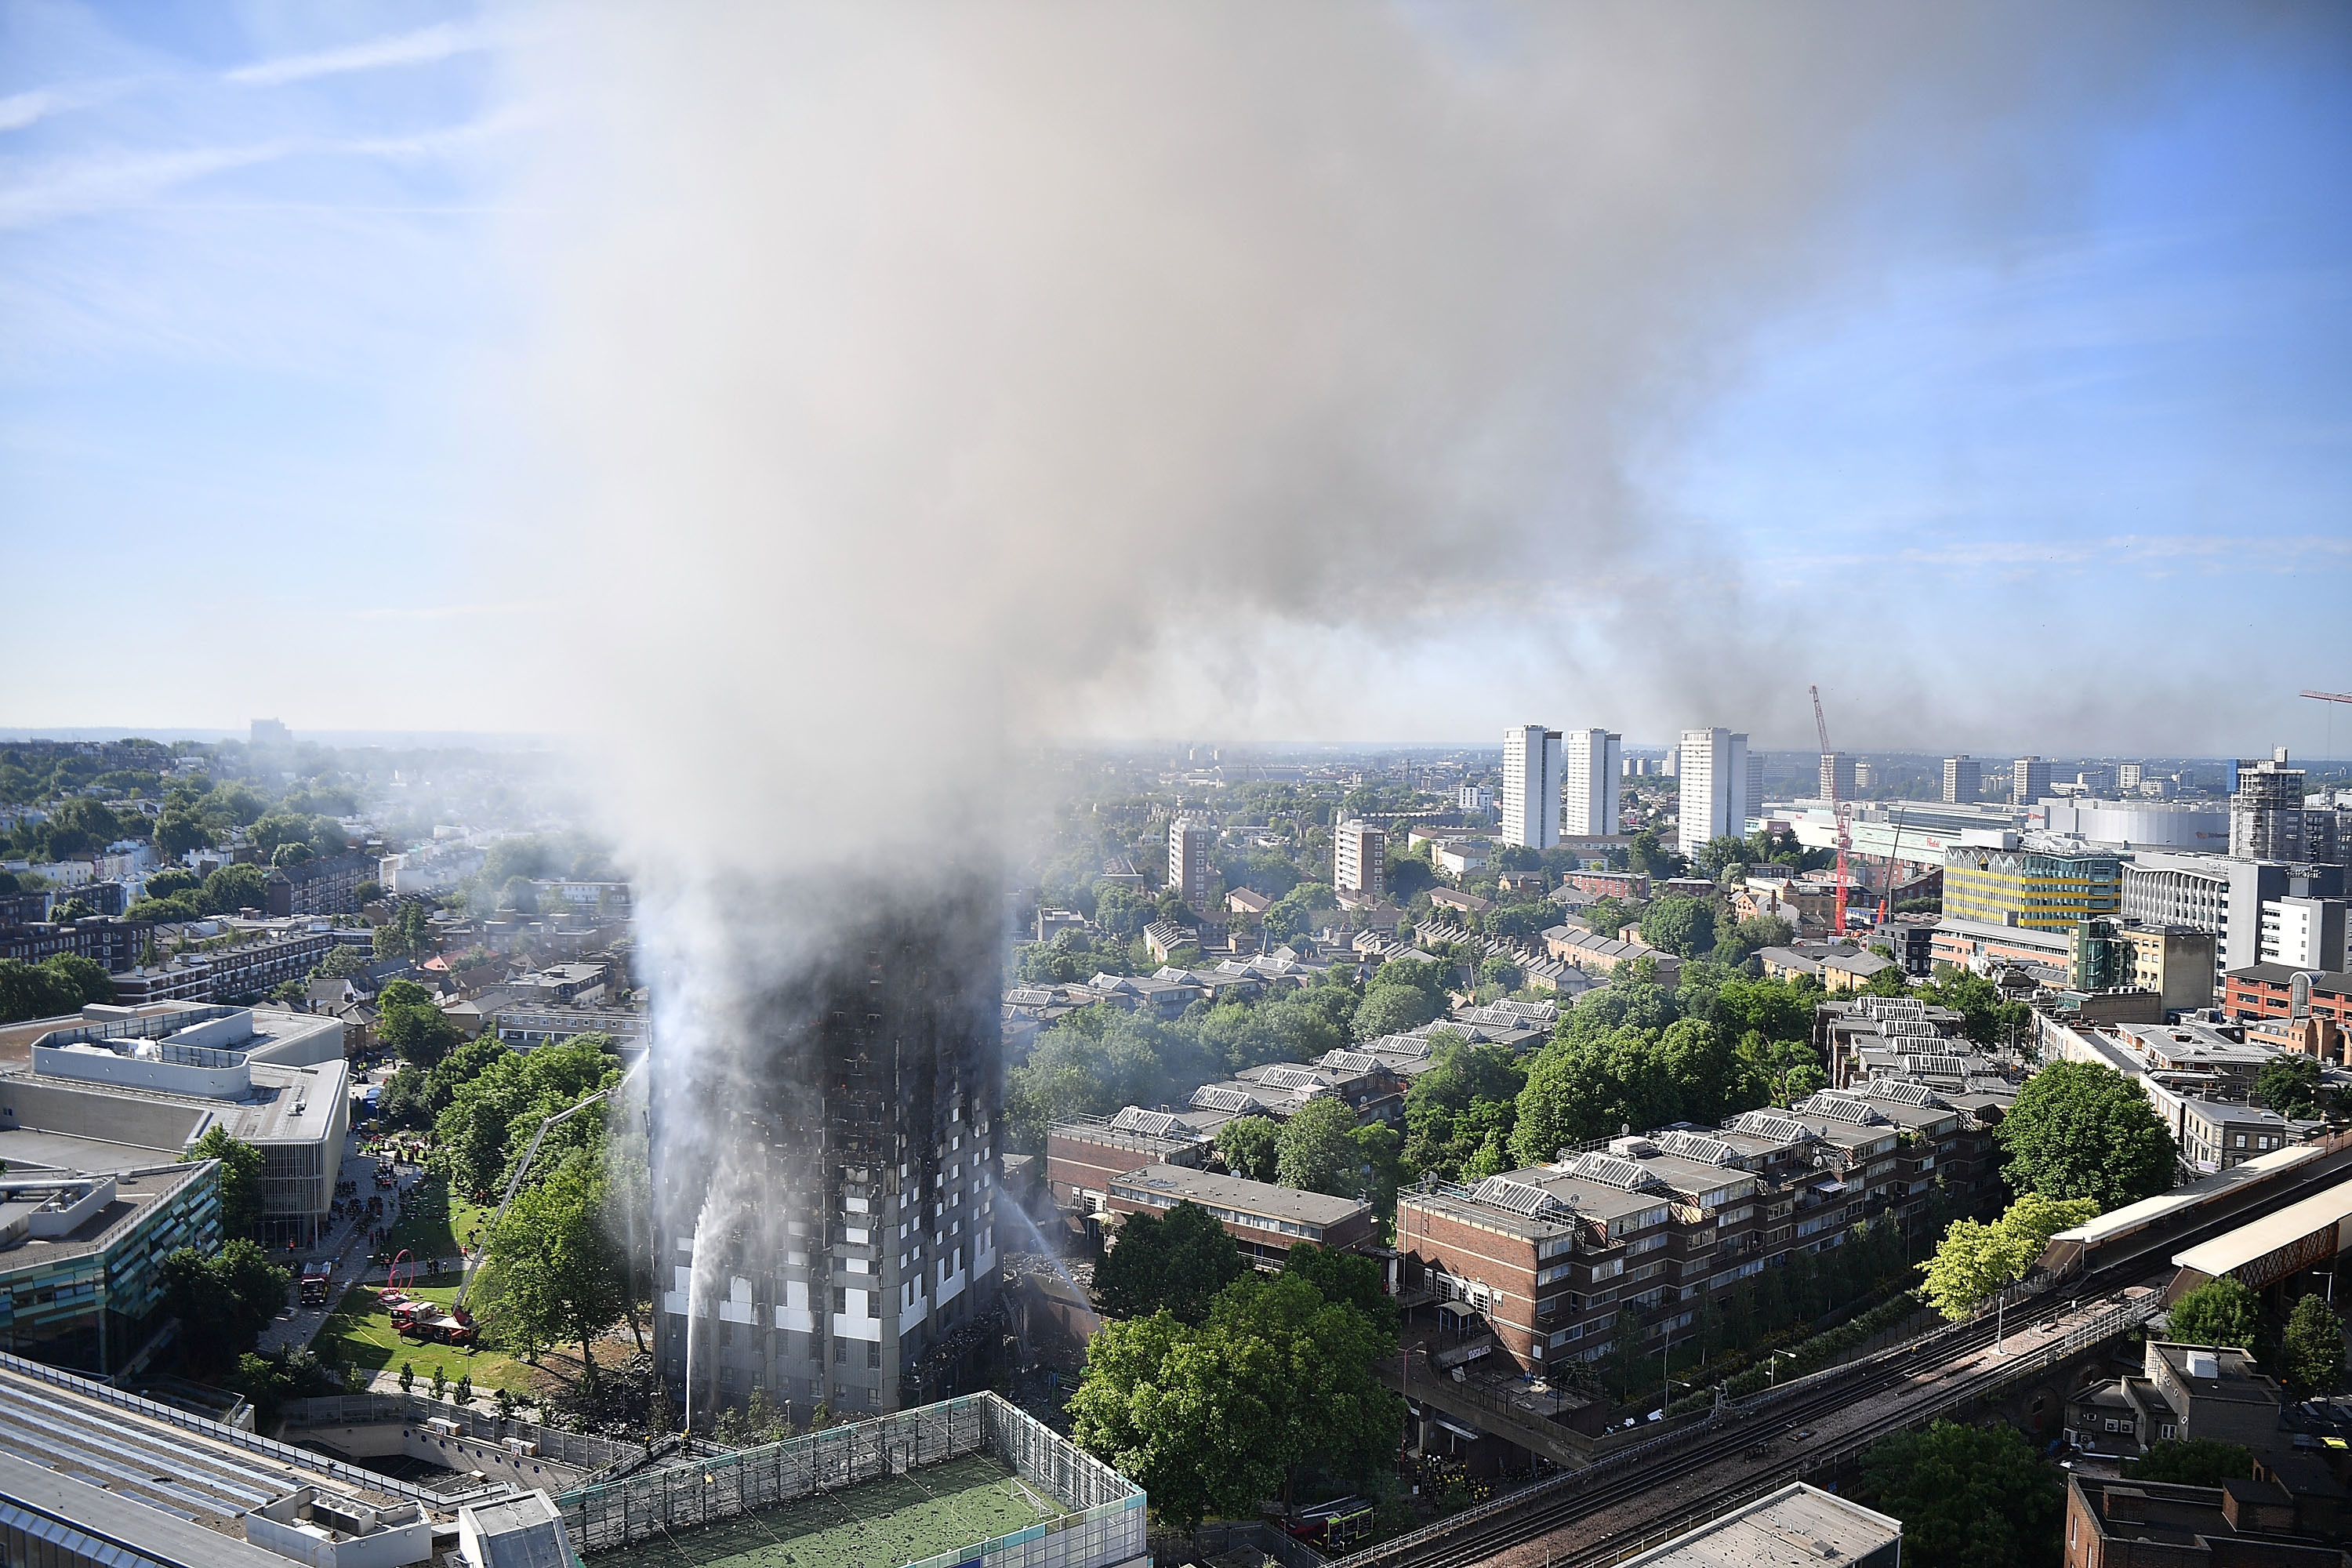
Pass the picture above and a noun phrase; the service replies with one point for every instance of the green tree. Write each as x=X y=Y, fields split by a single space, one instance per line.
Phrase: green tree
x=1215 y=1419
x=1684 y=926
x=1175 y=1263
x=242 y=1200
x=553 y=1271
x=2311 y=1347
x=1317 y=1151
x=409 y=1023
x=1975 y=1259
x=1347 y=1277
x=2220 y=1312
x=223 y=1301
x=2192 y=1462
x=2290 y=1085
x=1393 y=1010
x=2079 y=1130
x=1967 y=1497
x=342 y=959
x=1251 y=1145
x=234 y=888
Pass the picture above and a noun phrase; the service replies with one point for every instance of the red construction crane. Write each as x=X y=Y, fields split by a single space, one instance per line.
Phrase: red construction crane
x=1841 y=809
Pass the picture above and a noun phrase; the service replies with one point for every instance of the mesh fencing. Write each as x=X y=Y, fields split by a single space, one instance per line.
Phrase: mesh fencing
x=1106 y=1524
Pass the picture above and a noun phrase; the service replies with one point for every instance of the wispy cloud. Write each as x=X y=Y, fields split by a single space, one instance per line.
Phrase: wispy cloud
x=424 y=47
x=97 y=183
x=438 y=144
x=20 y=110
x=452 y=612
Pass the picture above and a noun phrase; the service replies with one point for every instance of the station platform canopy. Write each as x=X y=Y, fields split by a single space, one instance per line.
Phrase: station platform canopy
x=2264 y=1251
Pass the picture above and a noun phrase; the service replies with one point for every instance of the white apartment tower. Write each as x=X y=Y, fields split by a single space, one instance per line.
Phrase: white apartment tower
x=2266 y=814
x=1837 y=776
x=1963 y=777
x=1531 y=786
x=1359 y=858
x=2304 y=933
x=1715 y=781
x=2029 y=780
x=1592 y=765
x=1189 y=849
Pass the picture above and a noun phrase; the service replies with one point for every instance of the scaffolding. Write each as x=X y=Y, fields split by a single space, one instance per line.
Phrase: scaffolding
x=1104 y=1524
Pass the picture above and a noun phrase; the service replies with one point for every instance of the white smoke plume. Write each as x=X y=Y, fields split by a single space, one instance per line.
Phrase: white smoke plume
x=916 y=376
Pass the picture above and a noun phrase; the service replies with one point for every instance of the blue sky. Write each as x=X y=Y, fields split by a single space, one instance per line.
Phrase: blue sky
x=256 y=284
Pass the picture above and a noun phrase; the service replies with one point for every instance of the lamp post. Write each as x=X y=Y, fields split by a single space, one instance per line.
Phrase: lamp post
x=1772 y=1366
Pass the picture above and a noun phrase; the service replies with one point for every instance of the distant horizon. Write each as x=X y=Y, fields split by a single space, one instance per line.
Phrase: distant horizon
x=520 y=741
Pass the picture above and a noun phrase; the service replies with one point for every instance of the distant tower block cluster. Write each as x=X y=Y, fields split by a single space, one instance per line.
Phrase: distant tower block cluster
x=1593 y=766
x=1531 y=781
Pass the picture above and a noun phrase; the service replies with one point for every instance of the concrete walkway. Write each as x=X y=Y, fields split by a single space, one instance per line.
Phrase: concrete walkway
x=346 y=1244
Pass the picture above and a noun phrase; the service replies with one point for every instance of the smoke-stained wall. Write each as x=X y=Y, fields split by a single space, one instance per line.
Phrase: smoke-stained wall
x=834 y=1148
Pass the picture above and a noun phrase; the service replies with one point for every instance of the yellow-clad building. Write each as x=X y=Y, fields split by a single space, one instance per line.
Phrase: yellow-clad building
x=2029 y=888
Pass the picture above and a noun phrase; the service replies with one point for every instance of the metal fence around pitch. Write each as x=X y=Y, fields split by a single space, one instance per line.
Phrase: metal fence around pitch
x=1107 y=1511
x=578 y=1449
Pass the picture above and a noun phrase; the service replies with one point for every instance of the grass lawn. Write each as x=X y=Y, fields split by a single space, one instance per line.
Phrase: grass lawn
x=441 y=1224
x=361 y=1331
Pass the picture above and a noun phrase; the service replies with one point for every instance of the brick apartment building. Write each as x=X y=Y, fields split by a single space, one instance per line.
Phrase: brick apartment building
x=323 y=887
x=1266 y=1221
x=113 y=944
x=2267 y=990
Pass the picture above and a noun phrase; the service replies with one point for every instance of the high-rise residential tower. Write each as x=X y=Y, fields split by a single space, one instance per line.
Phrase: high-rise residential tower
x=823 y=1153
x=1359 y=858
x=1592 y=765
x=1191 y=849
x=1963 y=779
x=2029 y=780
x=1714 y=782
x=1531 y=786
x=2267 y=810
x=1837 y=777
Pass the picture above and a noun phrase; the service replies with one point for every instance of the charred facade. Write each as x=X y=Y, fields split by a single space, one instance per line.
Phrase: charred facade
x=839 y=1163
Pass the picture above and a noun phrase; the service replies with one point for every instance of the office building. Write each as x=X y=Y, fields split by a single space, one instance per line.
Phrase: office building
x=2267 y=810
x=834 y=1171
x=1476 y=799
x=1754 y=798
x=2220 y=894
x=2176 y=962
x=1713 y=787
x=121 y=1094
x=1359 y=858
x=1866 y=777
x=2129 y=775
x=81 y=1256
x=1191 y=850
x=1593 y=768
x=2030 y=889
x=2029 y=780
x=1531 y=779
x=2304 y=933
x=1963 y=776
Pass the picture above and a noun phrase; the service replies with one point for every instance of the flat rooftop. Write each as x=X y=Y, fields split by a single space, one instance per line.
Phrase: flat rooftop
x=883 y=1523
x=1797 y=1527
x=133 y=1194
x=1168 y=1184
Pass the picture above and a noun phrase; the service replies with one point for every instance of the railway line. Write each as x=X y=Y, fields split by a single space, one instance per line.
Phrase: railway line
x=2133 y=1256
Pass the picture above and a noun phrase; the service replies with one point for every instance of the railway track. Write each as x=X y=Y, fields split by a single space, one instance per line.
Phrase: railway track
x=1561 y=1500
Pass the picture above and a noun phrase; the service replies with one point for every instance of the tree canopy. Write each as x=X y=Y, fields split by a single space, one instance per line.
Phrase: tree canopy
x=1251 y=1146
x=2079 y=1130
x=223 y=1300
x=554 y=1272
x=241 y=1201
x=1976 y=1260
x=2290 y=1085
x=2192 y=1462
x=2311 y=1347
x=51 y=988
x=2220 y=1312
x=1217 y=1418
x=1175 y=1263
x=1968 y=1497
x=408 y=1021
